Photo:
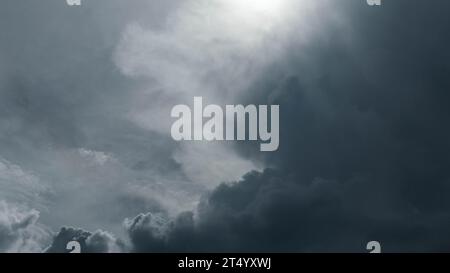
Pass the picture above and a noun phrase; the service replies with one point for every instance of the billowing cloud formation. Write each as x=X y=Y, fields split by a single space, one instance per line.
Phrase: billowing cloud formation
x=364 y=143
x=19 y=231
x=97 y=242
x=207 y=48
x=275 y=212
x=68 y=148
x=363 y=152
x=216 y=49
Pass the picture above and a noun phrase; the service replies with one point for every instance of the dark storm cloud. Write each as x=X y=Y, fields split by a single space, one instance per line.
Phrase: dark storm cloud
x=273 y=212
x=364 y=147
x=378 y=107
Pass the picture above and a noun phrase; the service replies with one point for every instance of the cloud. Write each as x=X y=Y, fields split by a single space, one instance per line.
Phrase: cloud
x=71 y=121
x=202 y=162
x=363 y=153
x=19 y=231
x=95 y=156
x=276 y=212
x=21 y=186
x=147 y=230
x=264 y=212
x=364 y=144
x=214 y=49
x=96 y=242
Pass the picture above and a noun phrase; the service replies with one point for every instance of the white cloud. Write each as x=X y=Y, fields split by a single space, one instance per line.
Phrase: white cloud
x=212 y=163
x=210 y=48
x=95 y=157
x=19 y=231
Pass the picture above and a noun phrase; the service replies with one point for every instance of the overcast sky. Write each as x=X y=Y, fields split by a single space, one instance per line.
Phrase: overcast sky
x=86 y=151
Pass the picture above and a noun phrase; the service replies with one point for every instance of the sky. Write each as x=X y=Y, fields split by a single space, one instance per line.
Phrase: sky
x=86 y=152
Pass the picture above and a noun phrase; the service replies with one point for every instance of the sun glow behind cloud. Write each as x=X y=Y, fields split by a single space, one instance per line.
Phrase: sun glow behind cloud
x=259 y=7
x=253 y=16
x=210 y=48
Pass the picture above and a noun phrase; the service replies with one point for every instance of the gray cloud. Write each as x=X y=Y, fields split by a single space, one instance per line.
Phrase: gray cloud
x=61 y=93
x=363 y=148
x=364 y=142
x=96 y=242
x=19 y=231
x=275 y=212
